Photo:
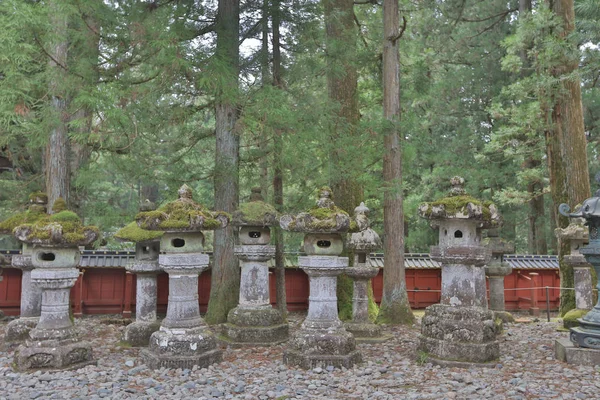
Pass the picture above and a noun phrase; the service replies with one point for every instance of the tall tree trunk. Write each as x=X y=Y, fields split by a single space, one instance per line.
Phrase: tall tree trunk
x=277 y=165
x=342 y=87
x=56 y=159
x=395 y=307
x=536 y=241
x=566 y=147
x=225 y=282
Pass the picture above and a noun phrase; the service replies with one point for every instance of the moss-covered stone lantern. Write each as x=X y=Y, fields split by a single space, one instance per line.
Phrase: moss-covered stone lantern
x=362 y=244
x=254 y=321
x=587 y=334
x=460 y=329
x=146 y=268
x=183 y=339
x=321 y=339
x=577 y=235
x=31 y=295
x=55 y=238
x=496 y=270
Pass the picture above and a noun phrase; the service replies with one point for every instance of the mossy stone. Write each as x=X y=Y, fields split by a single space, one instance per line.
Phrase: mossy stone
x=570 y=320
x=61 y=229
x=255 y=213
x=133 y=233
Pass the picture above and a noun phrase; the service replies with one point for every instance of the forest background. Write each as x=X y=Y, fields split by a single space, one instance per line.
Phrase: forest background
x=128 y=100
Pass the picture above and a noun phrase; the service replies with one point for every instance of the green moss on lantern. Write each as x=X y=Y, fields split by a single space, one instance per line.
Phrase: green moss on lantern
x=256 y=213
x=28 y=217
x=133 y=233
x=457 y=204
x=180 y=215
x=43 y=197
x=63 y=228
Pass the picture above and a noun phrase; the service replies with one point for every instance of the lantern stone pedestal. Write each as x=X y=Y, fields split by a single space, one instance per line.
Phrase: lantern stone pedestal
x=322 y=340
x=496 y=270
x=460 y=331
x=576 y=233
x=254 y=321
x=183 y=340
x=31 y=300
x=146 y=269
x=53 y=343
x=361 y=326
x=362 y=243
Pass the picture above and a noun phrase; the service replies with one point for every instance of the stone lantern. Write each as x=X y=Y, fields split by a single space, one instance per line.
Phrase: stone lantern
x=496 y=270
x=56 y=238
x=362 y=244
x=254 y=321
x=587 y=335
x=460 y=330
x=577 y=235
x=146 y=268
x=31 y=295
x=183 y=339
x=321 y=339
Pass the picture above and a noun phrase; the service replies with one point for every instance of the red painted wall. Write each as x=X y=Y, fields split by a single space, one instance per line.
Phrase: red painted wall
x=105 y=290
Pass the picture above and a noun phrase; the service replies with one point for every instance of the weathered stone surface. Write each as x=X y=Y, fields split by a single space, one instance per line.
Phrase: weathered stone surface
x=310 y=348
x=138 y=333
x=584 y=289
x=363 y=330
x=18 y=330
x=325 y=244
x=256 y=335
x=53 y=343
x=459 y=334
x=182 y=348
x=463 y=285
x=260 y=316
x=66 y=354
x=504 y=316
x=254 y=235
x=182 y=242
x=566 y=351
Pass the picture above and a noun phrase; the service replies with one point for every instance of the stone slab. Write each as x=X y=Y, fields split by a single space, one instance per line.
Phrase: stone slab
x=260 y=335
x=137 y=334
x=18 y=330
x=309 y=361
x=156 y=361
x=72 y=355
x=566 y=351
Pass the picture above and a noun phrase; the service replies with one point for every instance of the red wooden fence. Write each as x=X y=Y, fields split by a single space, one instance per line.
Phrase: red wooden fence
x=112 y=290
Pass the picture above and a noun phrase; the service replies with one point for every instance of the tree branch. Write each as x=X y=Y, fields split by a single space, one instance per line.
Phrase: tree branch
x=394 y=39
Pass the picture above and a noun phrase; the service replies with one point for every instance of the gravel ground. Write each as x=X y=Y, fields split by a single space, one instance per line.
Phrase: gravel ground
x=391 y=370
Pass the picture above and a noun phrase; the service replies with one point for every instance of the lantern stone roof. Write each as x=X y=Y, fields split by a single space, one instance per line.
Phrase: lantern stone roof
x=36 y=211
x=255 y=212
x=182 y=215
x=366 y=240
x=133 y=233
x=325 y=217
x=576 y=230
x=64 y=228
x=589 y=209
x=460 y=205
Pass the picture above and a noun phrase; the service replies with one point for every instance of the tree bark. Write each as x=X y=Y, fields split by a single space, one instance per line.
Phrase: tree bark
x=342 y=88
x=56 y=159
x=225 y=281
x=395 y=307
x=277 y=165
x=566 y=147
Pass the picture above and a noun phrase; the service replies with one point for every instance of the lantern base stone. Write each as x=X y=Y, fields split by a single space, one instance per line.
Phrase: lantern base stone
x=459 y=334
x=17 y=330
x=566 y=351
x=586 y=335
x=262 y=326
x=311 y=348
x=137 y=334
x=365 y=330
x=182 y=348
x=66 y=354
